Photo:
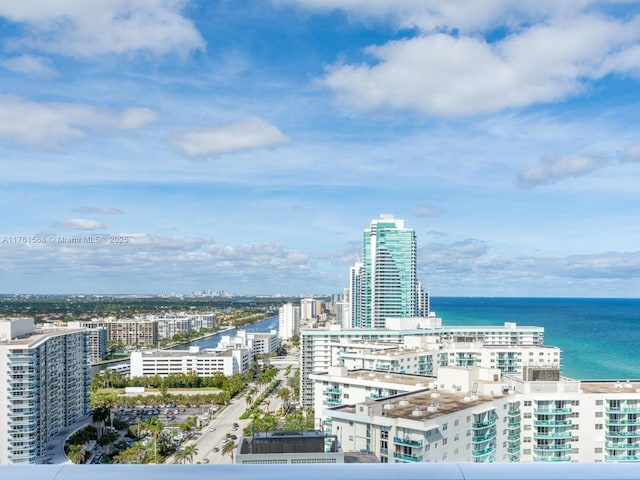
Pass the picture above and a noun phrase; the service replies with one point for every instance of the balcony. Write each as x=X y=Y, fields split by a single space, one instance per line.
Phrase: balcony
x=622 y=458
x=484 y=424
x=484 y=438
x=513 y=450
x=551 y=411
x=513 y=438
x=553 y=447
x=552 y=423
x=513 y=413
x=615 y=421
x=407 y=458
x=545 y=435
x=332 y=390
x=565 y=458
x=513 y=425
x=632 y=433
x=623 y=410
x=622 y=446
x=332 y=401
x=483 y=452
x=408 y=442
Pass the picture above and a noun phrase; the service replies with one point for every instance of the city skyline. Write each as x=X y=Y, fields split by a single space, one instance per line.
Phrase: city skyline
x=172 y=146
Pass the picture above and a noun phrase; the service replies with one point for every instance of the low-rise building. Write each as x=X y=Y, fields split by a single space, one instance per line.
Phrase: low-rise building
x=203 y=362
x=289 y=447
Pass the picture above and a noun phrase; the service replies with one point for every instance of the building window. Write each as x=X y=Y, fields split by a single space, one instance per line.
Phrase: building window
x=598 y=414
x=526 y=451
x=456 y=423
x=599 y=403
x=598 y=426
x=597 y=450
x=445 y=426
x=527 y=403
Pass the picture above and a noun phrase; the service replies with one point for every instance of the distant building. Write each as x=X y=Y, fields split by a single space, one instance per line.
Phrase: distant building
x=204 y=363
x=289 y=447
x=288 y=321
x=45 y=386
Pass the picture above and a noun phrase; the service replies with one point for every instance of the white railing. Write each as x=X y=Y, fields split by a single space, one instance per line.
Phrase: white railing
x=405 y=471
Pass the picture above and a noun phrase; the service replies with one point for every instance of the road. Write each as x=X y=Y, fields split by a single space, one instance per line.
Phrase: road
x=223 y=424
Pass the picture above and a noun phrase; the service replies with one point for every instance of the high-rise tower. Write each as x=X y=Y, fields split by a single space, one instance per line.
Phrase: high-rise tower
x=388 y=287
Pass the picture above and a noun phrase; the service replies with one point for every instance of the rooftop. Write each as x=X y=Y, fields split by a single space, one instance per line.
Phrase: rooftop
x=610 y=386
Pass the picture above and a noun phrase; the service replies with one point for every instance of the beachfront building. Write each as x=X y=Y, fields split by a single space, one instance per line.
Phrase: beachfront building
x=316 y=352
x=288 y=321
x=45 y=386
x=481 y=416
x=425 y=355
x=204 y=363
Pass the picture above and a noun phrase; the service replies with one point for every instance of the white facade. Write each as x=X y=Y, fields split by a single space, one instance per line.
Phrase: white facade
x=288 y=321
x=425 y=355
x=258 y=342
x=203 y=362
x=316 y=344
x=45 y=387
x=481 y=420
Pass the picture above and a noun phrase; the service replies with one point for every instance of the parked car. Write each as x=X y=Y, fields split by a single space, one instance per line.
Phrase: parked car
x=216 y=449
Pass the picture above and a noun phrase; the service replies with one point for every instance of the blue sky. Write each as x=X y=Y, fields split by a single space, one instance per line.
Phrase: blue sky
x=245 y=145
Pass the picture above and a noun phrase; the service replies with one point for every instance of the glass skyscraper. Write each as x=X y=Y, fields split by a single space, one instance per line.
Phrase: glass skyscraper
x=387 y=287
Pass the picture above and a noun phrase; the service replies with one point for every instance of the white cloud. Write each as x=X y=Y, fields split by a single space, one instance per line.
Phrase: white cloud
x=51 y=125
x=94 y=27
x=79 y=224
x=427 y=212
x=630 y=153
x=462 y=15
x=30 y=65
x=442 y=74
x=552 y=169
x=230 y=137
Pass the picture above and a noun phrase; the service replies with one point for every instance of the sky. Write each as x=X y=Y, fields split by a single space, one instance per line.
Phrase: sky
x=158 y=146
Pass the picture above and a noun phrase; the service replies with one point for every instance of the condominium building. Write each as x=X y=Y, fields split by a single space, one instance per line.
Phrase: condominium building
x=44 y=383
x=316 y=344
x=128 y=332
x=480 y=417
x=384 y=284
x=288 y=321
x=425 y=355
x=97 y=344
x=204 y=363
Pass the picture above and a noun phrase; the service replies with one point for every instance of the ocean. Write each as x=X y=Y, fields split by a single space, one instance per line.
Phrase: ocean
x=599 y=338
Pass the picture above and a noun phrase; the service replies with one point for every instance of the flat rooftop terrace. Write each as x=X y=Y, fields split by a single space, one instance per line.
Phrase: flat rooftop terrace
x=610 y=386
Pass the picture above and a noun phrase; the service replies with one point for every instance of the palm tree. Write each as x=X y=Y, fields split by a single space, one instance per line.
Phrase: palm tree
x=228 y=448
x=180 y=456
x=99 y=416
x=77 y=454
x=190 y=451
x=284 y=394
x=154 y=426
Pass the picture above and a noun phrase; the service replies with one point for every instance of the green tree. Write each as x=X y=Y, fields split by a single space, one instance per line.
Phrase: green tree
x=99 y=416
x=77 y=454
x=190 y=452
x=228 y=448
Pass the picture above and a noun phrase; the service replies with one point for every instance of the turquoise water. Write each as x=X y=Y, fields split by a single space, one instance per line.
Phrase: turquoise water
x=599 y=338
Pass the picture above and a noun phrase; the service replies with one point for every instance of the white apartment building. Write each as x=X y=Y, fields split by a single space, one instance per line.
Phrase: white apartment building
x=316 y=344
x=203 y=362
x=258 y=342
x=476 y=417
x=288 y=321
x=425 y=355
x=341 y=386
x=44 y=383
